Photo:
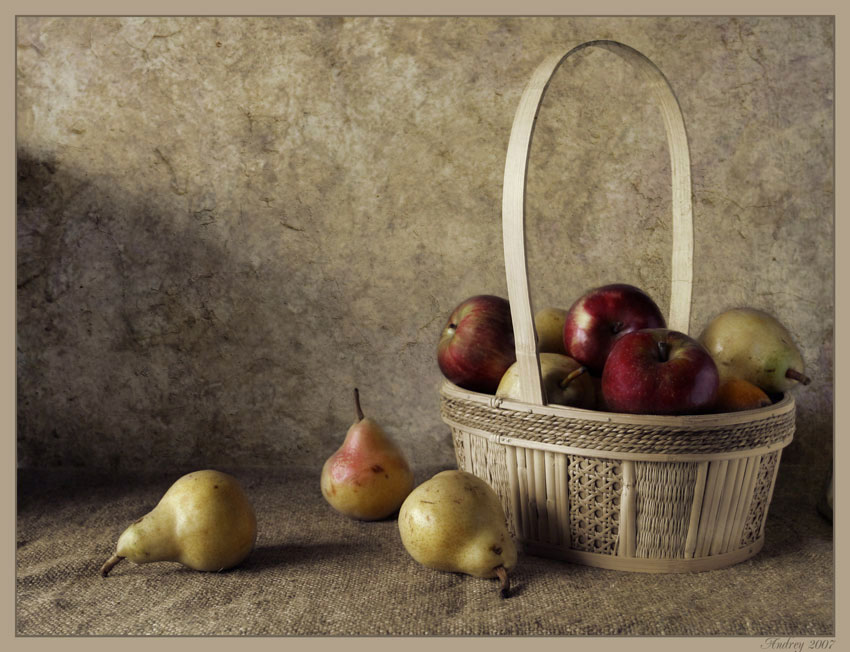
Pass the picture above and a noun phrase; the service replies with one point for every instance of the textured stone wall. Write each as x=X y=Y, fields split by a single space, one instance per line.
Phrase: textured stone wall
x=225 y=224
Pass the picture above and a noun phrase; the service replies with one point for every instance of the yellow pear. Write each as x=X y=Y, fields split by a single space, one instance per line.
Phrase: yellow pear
x=752 y=345
x=204 y=521
x=565 y=382
x=368 y=477
x=454 y=522
x=549 y=323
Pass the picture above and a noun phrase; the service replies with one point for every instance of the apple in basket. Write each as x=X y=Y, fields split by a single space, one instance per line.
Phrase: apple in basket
x=659 y=371
x=476 y=345
x=602 y=316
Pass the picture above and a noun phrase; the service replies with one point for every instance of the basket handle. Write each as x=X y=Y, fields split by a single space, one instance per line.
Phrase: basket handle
x=513 y=206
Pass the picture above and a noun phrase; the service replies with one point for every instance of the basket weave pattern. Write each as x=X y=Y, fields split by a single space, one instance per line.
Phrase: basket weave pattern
x=704 y=506
x=665 y=493
x=594 y=491
x=617 y=437
x=761 y=498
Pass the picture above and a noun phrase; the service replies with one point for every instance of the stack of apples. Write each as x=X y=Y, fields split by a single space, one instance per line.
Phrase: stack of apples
x=612 y=350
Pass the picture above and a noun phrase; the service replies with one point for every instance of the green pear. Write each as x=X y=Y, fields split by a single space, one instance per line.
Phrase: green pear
x=752 y=345
x=454 y=522
x=204 y=521
x=565 y=382
x=549 y=324
x=368 y=477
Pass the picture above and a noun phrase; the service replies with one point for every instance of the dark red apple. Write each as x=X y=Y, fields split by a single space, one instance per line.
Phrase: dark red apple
x=477 y=343
x=659 y=371
x=602 y=316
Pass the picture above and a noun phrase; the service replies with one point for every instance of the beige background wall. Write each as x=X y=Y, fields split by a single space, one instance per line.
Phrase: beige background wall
x=225 y=224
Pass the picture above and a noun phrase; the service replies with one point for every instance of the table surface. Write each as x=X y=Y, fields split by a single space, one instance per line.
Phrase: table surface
x=316 y=573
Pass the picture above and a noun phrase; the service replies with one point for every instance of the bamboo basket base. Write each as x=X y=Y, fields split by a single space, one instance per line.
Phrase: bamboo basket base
x=656 y=494
x=611 y=562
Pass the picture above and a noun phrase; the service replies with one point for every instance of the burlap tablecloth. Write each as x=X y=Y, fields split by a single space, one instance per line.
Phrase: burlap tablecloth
x=315 y=572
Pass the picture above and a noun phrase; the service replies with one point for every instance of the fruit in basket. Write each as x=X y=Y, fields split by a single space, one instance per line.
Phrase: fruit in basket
x=600 y=317
x=659 y=371
x=735 y=394
x=476 y=345
x=565 y=382
x=549 y=325
x=454 y=522
x=597 y=389
x=204 y=521
x=368 y=477
x=751 y=344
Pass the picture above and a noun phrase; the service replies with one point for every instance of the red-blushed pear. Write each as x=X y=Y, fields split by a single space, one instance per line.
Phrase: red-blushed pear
x=736 y=394
x=369 y=477
x=476 y=345
x=602 y=316
x=659 y=371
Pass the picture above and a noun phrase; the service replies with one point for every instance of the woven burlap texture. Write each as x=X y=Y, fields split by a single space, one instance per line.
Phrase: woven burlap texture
x=316 y=573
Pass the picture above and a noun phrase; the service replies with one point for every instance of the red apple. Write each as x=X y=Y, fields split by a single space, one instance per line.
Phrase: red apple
x=602 y=316
x=659 y=371
x=477 y=343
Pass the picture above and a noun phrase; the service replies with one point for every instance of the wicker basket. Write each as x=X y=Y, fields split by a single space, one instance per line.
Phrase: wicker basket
x=627 y=492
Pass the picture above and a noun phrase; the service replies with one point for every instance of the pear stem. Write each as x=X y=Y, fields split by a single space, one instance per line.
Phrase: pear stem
x=575 y=373
x=109 y=565
x=801 y=378
x=357 y=404
x=504 y=582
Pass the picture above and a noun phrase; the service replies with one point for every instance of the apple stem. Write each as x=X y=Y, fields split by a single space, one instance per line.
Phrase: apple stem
x=798 y=376
x=616 y=327
x=575 y=373
x=109 y=565
x=504 y=582
x=664 y=351
x=357 y=404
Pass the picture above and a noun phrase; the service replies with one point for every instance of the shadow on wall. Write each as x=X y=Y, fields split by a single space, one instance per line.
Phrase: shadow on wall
x=143 y=343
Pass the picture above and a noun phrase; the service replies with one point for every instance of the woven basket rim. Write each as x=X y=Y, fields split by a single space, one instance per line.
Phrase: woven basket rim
x=685 y=422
